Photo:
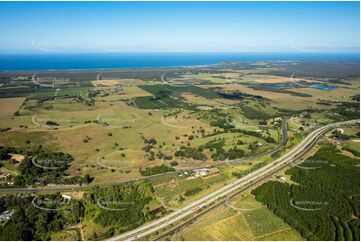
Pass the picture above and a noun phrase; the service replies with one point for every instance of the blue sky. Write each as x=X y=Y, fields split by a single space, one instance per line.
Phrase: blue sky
x=179 y=26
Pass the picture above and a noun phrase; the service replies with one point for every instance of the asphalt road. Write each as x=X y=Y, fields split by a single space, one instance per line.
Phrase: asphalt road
x=250 y=185
x=89 y=187
x=249 y=180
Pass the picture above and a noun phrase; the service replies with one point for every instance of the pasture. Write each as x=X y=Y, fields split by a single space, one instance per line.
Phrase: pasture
x=104 y=127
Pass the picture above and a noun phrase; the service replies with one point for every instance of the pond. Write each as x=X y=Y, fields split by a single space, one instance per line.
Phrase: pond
x=280 y=86
x=290 y=85
x=323 y=87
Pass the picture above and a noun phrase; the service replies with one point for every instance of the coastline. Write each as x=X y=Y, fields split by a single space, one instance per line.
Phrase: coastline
x=127 y=61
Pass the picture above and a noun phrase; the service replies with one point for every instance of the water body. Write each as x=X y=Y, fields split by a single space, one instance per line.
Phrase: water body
x=323 y=87
x=292 y=85
x=58 y=61
x=280 y=86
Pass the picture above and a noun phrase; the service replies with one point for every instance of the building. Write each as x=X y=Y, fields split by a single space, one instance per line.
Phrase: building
x=66 y=197
x=341 y=131
x=4 y=175
x=204 y=172
x=200 y=172
x=282 y=178
x=6 y=215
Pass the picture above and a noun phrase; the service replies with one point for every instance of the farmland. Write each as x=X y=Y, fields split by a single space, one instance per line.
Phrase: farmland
x=294 y=207
x=247 y=219
x=102 y=117
x=173 y=129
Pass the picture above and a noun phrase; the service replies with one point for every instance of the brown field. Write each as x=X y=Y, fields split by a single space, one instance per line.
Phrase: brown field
x=267 y=78
x=110 y=82
x=10 y=105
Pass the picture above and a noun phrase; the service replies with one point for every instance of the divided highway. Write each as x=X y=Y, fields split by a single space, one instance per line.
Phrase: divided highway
x=288 y=159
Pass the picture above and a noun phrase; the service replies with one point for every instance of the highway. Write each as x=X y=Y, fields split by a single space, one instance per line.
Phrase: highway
x=251 y=184
x=248 y=180
x=89 y=187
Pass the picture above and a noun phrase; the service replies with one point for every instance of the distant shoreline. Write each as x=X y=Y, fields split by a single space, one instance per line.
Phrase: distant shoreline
x=113 y=61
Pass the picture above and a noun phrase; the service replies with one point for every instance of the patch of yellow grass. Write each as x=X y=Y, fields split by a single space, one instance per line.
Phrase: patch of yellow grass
x=227 y=229
x=269 y=79
x=209 y=102
x=114 y=82
x=134 y=91
x=17 y=157
x=75 y=195
x=10 y=105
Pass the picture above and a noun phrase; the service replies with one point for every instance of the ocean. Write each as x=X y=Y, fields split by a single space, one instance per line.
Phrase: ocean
x=45 y=61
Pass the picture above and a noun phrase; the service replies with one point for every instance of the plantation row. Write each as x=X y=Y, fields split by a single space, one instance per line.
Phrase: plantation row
x=323 y=204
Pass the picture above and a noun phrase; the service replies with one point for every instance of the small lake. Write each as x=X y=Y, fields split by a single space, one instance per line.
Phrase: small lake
x=280 y=86
x=292 y=85
x=323 y=87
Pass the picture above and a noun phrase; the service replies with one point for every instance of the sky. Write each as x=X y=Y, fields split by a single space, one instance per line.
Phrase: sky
x=62 y=27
